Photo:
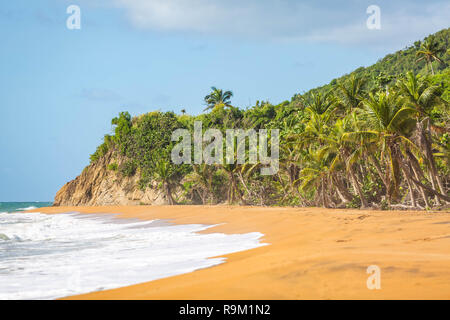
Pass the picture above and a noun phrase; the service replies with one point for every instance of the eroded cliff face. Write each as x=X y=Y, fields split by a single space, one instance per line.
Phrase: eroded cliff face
x=98 y=186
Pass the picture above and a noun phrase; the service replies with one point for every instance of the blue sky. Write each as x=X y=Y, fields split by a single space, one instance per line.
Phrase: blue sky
x=59 y=88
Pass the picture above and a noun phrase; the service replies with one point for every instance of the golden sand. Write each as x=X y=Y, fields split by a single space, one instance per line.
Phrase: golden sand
x=314 y=253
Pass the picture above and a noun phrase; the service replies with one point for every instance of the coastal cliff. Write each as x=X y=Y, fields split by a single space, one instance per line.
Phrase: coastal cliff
x=99 y=185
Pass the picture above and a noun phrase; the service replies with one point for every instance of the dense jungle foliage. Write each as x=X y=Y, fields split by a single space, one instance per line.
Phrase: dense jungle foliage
x=378 y=137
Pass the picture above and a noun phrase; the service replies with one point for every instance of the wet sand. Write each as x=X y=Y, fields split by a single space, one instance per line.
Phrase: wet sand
x=314 y=253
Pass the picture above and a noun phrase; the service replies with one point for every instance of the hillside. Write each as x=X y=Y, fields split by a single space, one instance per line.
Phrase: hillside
x=387 y=69
x=378 y=137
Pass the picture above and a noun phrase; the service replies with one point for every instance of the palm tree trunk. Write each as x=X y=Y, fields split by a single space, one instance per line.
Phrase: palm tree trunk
x=396 y=174
x=433 y=185
x=435 y=179
x=424 y=187
x=201 y=196
x=422 y=190
x=416 y=175
x=429 y=63
x=358 y=188
x=377 y=166
x=241 y=178
x=384 y=177
x=168 y=192
x=334 y=196
x=293 y=173
x=324 y=200
x=210 y=189
x=232 y=190
x=341 y=190
x=411 y=190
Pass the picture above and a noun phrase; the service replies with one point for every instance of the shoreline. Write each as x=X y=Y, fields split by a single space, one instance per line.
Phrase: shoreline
x=313 y=253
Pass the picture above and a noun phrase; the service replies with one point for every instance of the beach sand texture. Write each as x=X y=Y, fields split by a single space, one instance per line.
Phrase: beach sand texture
x=314 y=253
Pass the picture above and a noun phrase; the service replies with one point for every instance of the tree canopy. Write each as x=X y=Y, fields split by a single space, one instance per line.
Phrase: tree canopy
x=378 y=137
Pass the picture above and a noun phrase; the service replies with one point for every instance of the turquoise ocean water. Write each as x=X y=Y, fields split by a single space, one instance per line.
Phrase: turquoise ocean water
x=11 y=207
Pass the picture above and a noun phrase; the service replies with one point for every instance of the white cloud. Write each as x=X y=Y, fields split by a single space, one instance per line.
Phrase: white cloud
x=249 y=17
x=318 y=20
x=397 y=27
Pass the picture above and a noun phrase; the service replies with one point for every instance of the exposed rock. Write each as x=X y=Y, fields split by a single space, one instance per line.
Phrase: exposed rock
x=97 y=186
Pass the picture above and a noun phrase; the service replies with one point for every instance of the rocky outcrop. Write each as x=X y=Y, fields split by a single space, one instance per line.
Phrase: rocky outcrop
x=98 y=185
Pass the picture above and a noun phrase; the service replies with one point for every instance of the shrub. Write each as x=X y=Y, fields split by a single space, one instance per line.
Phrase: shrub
x=112 y=166
x=100 y=152
x=128 y=169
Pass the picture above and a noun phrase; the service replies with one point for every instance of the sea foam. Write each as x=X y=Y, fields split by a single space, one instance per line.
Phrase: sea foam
x=50 y=256
x=26 y=209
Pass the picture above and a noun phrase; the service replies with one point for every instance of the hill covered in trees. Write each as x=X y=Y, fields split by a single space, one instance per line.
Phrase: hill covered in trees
x=387 y=69
x=378 y=137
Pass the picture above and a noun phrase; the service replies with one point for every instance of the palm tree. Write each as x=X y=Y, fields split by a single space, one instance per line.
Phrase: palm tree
x=166 y=176
x=218 y=97
x=202 y=180
x=320 y=103
x=333 y=150
x=348 y=150
x=429 y=51
x=183 y=111
x=418 y=94
x=394 y=124
x=233 y=187
x=350 y=92
x=318 y=125
x=316 y=175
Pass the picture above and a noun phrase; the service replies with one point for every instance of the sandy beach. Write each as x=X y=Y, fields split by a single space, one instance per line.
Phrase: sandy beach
x=314 y=253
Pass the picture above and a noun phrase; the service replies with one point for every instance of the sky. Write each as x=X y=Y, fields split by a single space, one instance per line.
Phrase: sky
x=60 y=87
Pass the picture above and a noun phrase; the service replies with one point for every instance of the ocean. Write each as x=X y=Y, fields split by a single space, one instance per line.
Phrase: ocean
x=52 y=256
x=21 y=206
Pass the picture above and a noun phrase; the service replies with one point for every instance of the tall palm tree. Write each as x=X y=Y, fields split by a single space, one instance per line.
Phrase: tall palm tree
x=334 y=150
x=394 y=124
x=429 y=51
x=347 y=152
x=218 y=97
x=418 y=94
x=315 y=176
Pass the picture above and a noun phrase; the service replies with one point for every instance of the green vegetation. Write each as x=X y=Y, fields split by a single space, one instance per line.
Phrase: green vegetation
x=218 y=98
x=429 y=51
x=112 y=166
x=386 y=71
x=378 y=137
